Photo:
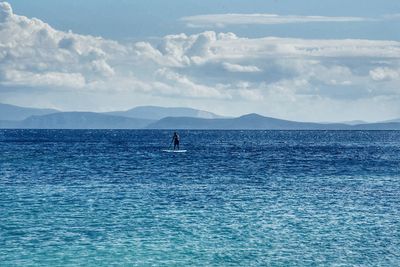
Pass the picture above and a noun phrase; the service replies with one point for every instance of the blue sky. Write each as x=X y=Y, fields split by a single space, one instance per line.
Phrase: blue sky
x=303 y=60
x=155 y=18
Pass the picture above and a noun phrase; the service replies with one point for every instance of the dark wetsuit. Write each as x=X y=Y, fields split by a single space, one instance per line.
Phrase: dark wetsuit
x=175 y=139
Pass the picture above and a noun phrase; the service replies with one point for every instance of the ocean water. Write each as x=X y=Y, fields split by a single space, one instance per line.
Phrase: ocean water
x=236 y=198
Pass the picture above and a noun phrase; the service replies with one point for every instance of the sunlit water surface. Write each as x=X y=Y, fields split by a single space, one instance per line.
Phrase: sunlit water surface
x=236 y=198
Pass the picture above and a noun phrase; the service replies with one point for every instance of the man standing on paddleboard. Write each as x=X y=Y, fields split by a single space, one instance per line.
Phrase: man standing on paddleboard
x=175 y=140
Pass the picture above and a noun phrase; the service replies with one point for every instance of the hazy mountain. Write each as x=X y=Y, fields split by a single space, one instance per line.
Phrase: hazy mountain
x=78 y=120
x=15 y=113
x=156 y=113
x=250 y=121
x=125 y=120
x=354 y=122
x=377 y=126
x=257 y=122
x=393 y=120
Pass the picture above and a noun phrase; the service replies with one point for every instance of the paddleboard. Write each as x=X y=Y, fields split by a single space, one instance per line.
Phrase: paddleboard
x=175 y=151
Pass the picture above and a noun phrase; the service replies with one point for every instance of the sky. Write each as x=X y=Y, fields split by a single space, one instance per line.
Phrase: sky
x=305 y=60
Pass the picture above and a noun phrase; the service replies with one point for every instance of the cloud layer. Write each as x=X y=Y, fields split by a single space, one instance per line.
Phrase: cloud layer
x=284 y=77
x=222 y=20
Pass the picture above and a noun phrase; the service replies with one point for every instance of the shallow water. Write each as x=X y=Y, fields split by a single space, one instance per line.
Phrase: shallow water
x=236 y=198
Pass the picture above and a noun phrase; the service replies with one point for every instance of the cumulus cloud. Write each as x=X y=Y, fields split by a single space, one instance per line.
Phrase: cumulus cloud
x=222 y=20
x=5 y=11
x=209 y=66
x=172 y=79
x=33 y=47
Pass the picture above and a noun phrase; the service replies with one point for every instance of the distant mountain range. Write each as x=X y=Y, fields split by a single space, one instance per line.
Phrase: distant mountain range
x=151 y=117
x=157 y=113
x=77 y=120
x=394 y=120
x=15 y=113
x=258 y=122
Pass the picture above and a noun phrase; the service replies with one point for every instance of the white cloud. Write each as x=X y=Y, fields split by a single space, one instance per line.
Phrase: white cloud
x=57 y=79
x=175 y=80
x=232 y=19
x=384 y=74
x=51 y=57
x=5 y=11
x=239 y=68
x=222 y=20
x=208 y=67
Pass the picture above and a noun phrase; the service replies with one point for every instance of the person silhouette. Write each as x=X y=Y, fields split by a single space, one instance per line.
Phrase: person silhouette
x=175 y=140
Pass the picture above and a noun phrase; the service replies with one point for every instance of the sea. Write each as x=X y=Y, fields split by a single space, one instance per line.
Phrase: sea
x=235 y=198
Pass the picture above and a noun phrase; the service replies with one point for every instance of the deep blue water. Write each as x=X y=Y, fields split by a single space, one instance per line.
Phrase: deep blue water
x=236 y=198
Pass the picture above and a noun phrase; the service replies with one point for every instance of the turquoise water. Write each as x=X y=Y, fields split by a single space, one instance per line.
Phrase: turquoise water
x=236 y=198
